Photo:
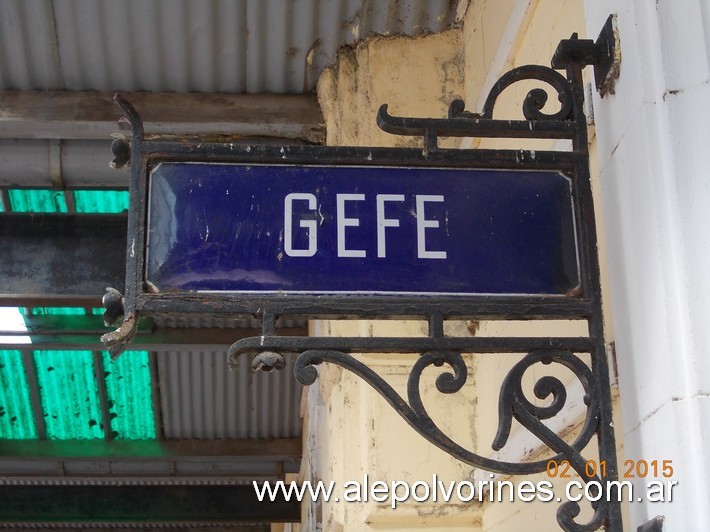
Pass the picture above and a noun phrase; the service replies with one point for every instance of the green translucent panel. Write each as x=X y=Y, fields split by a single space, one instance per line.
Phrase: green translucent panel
x=58 y=311
x=101 y=201
x=16 y=417
x=26 y=200
x=85 y=201
x=70 y=399
x=129 y=395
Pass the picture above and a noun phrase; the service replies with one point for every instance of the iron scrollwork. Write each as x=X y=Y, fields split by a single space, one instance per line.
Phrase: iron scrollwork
x=512 y=404
x=436 y=350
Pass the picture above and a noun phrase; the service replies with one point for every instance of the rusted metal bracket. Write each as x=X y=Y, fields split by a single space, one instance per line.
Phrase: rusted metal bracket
x=604 y=55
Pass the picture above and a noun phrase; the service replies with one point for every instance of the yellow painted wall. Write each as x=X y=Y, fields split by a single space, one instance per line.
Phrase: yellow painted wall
x=415 y=77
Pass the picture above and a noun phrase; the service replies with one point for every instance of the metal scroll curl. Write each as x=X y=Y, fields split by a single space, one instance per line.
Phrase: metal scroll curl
x=514 y=404
x=537 y=98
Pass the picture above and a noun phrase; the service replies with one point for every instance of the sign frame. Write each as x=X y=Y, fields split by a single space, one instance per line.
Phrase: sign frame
x=146 y=300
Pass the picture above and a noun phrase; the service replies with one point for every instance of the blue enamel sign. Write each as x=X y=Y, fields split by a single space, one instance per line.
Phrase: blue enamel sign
x=359 y=230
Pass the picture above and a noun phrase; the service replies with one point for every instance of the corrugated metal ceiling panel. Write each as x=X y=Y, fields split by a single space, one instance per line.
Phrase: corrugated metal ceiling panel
x=202 y=398
x=236 y=46
x=156 y=45
x=28 y=52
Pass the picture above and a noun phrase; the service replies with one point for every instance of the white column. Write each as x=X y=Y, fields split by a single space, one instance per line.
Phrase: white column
x=654 y=154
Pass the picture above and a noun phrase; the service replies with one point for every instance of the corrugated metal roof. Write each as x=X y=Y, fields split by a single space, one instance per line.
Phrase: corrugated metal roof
x=239 y=46
x=232 y=46
x=202 y=398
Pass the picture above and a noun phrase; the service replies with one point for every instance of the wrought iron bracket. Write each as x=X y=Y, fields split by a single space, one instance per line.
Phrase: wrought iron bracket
x=583 y=302
x=604 y=55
